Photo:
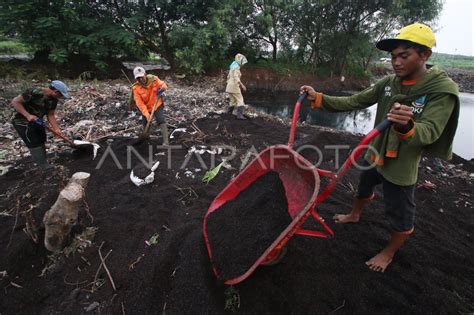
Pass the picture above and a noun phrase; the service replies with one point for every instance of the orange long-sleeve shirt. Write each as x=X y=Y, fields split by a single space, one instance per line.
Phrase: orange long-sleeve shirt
x=145 y=95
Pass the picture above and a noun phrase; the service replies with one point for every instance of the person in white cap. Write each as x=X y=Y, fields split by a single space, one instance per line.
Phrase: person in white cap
x=31 y=106
x=234 y=87
x=145 y=93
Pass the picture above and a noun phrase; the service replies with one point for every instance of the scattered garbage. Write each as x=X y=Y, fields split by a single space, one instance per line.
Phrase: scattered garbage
x=201 y=149
x=146 y=180
x=427 y=185
x=95 y=146
x=177 y=130
x=212 y=173
x=188 y=174
x=95 y=112
x=153 y=240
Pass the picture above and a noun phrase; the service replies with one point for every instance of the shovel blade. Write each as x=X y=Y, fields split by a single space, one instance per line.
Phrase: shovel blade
x=141 y=138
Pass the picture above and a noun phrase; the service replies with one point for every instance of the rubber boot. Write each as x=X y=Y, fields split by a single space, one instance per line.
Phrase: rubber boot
x=240 y=113
x=39 y=157
x=165 y=134
x=230 y=110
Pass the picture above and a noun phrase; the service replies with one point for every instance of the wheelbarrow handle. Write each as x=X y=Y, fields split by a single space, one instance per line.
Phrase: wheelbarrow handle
x=383 y=125
x=294 y=121
x=354 y=155
x=360 y=148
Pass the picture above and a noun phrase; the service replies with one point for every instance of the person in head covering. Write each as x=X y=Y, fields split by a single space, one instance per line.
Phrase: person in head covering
x=31 y=106
x=235 y=86
x=423 y=106
x=145 y=95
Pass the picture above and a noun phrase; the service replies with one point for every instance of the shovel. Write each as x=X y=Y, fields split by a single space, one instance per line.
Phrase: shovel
x=146 y=132
x=76 y=144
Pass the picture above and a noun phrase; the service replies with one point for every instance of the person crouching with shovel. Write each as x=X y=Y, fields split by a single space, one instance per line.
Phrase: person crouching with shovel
x=145 y=93
x=31 y=107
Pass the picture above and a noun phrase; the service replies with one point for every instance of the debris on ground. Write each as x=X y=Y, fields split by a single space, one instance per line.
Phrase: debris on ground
x=432 y=272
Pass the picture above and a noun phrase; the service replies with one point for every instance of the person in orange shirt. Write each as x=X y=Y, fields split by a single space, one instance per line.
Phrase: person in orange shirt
x=145 y=92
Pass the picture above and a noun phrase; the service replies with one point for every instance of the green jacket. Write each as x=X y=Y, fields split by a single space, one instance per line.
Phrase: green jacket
x=434 y=99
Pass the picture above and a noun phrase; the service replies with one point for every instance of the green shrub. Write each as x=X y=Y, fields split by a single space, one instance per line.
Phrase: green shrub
x=282 y=68
x=11 y=47
x=452 y=61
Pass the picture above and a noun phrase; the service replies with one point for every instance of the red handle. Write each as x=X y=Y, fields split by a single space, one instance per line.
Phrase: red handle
x=381 y=127
x=294 y=121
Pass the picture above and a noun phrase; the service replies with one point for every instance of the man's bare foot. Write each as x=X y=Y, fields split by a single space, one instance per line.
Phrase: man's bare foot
x=380 y=261
x=346 y=218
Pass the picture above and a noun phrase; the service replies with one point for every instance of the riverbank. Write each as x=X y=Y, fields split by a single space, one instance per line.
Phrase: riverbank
x=464 y=78
x=256 y=78
x=432 y=273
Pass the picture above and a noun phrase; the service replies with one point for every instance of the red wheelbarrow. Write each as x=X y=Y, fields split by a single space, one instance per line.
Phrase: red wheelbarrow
x=301 y=181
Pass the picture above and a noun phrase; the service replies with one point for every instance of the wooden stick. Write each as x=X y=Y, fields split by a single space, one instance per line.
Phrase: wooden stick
x=115 y=133
x=197 y=128
x=339 y=307
x=105 y=267
x=74 y=284
x=88 y=135
x=16 y=221
x=126 y=76
x=57 y=134
x=16 y=285
x=100 y=267
x=88 y=211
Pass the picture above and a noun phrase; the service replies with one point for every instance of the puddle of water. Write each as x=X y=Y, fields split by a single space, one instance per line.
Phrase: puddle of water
x=362 y=121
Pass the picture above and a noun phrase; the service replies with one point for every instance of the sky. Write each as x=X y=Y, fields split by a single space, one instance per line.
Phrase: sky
x=455 y=28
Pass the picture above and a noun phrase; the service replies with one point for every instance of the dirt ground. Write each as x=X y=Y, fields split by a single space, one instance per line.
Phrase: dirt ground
x=433 y=272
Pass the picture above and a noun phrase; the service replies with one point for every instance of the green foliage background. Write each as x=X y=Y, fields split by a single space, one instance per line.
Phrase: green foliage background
x=319 y=36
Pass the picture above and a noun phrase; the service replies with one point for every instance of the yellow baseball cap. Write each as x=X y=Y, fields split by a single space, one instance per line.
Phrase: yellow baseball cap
x=416 y=33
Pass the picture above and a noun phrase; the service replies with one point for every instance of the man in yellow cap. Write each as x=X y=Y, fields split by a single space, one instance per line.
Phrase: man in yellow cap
x=423 y=106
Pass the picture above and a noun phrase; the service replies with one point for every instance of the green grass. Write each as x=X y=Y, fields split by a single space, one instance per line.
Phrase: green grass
x=12 y=47
x=282 y=68
x=452 y=61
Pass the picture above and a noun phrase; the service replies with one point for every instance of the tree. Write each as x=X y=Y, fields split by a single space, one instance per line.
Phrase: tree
x=335 y=32
x=263 y=21
x=196 y=36
x=152 y=22
x=60 y=30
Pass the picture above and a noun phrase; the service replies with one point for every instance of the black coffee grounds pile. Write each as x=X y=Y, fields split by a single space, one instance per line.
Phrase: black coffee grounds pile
x=141 y=171
x=242 y=229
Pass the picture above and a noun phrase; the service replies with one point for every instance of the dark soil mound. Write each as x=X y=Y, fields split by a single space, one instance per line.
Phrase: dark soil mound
x=432 y=273
x=141 y=171
x=242 y=229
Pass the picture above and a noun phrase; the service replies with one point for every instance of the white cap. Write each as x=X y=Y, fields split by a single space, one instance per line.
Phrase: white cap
x=138 y=72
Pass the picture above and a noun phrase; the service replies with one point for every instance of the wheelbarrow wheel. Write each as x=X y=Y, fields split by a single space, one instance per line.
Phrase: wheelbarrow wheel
x=277 y=259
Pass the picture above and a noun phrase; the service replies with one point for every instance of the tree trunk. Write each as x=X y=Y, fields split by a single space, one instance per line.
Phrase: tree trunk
x=274 y=55
x=59 y=220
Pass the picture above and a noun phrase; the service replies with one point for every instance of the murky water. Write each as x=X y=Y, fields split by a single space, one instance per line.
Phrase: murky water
x=282 y=104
